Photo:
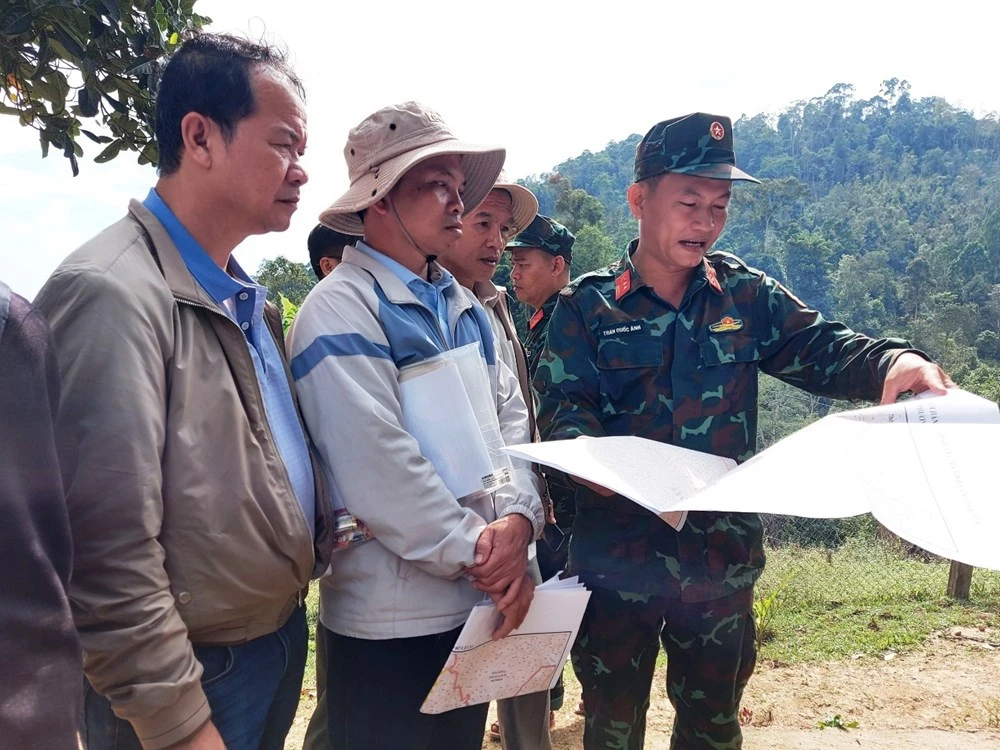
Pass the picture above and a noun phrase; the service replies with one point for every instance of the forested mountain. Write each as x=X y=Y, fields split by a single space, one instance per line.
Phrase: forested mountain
x=883 y=213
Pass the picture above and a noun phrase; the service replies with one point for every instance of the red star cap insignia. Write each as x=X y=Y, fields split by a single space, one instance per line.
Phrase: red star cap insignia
x=717 y=131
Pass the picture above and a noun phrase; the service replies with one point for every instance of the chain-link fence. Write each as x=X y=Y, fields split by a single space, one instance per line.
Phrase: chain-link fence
x=854 y=559
x=841 y=559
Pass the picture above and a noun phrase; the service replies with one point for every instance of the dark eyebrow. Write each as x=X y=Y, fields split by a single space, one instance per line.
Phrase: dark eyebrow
x=697 y=194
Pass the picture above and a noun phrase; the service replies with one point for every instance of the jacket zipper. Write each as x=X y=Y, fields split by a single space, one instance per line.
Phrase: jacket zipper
x=267 y=428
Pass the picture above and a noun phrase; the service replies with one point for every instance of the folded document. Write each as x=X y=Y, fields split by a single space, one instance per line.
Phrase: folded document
x=924 y=467
x=528 y=660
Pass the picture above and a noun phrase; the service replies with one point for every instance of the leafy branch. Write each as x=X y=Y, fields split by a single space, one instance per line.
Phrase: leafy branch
x=66 y=61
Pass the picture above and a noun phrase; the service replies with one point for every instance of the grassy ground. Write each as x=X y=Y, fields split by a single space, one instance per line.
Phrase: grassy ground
x=863 y=599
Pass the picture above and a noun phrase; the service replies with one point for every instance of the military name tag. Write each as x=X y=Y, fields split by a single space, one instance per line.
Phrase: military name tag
x=624 y=329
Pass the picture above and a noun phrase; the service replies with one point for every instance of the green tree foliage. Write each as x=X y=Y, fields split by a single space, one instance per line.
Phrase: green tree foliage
x=593 y=249
x=63 y=62
x=286 y=278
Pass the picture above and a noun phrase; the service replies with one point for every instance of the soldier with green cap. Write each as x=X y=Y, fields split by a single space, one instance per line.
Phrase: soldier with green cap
x=701 y=325
x=540 y=265
x=541 y=257
x=540 y=268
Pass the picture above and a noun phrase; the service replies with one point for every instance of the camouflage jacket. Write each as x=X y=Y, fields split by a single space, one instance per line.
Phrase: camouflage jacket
x=562 y=491
x=620 y=360
x=538 y=325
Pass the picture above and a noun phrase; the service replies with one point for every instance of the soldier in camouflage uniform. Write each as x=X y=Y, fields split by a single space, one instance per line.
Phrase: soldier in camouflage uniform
x=541 y=257
x=667 y=344
x=540 y=260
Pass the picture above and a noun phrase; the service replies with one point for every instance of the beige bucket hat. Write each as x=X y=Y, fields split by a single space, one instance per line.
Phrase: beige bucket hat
x=524 y=204
x=391 y=141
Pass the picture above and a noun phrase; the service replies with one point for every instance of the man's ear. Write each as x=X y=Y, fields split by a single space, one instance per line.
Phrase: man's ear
x=327 y=264
x=636 y=199
x=381 y=206
x=558 y=265
x=197 y=134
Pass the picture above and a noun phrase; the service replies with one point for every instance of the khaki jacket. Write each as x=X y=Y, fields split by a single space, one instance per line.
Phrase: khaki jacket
x=185 y=526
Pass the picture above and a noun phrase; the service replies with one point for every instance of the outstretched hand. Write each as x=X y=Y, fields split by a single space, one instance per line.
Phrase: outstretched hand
x=911 y=372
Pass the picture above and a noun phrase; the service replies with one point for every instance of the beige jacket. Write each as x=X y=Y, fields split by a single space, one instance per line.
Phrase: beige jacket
x=493 y=298
x=185 y=525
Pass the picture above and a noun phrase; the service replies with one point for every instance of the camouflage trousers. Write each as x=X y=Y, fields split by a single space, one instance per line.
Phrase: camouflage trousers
x=710 y=651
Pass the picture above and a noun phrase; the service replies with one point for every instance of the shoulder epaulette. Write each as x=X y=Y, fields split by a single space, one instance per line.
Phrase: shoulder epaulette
x=592 y=277
x=720 y=259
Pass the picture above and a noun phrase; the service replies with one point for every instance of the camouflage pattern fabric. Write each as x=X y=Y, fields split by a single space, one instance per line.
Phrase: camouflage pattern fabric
x=621 y=361
x=562 y=492
x=545 y=234
x=710 y=657
x=538 y=326
x=698 y=144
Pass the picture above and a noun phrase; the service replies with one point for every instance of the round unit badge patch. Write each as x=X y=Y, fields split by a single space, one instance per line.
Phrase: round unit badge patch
x=717 y=131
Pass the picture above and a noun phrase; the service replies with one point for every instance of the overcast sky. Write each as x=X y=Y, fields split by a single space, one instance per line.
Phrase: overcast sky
x=545 y=78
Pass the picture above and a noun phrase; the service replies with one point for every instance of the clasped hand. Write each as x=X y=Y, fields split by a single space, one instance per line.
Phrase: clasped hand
x=501 y=560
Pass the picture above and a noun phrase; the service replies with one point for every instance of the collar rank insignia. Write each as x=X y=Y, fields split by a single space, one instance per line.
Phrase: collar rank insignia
x=726 y=325
x=536 y=318
x=623 y=284
x=713 y=278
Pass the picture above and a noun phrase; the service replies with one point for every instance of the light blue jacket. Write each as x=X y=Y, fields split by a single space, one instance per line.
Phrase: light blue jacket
x=354 y=332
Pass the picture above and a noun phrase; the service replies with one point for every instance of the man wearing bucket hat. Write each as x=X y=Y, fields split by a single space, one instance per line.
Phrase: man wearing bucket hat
x=523 y=721
x=701 y=325
x=393 y=606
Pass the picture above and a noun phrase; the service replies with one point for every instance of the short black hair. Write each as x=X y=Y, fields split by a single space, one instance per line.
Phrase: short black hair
x=327 y=243
x=211 y=74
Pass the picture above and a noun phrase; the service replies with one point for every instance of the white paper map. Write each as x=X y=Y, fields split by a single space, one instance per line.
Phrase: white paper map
x=528 y=660
x=622 y=464
x=925 y=468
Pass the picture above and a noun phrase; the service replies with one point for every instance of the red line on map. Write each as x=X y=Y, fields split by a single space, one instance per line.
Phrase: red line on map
x=463 y=698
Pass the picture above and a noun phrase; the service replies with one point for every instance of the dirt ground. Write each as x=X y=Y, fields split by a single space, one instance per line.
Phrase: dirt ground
x=945 y=696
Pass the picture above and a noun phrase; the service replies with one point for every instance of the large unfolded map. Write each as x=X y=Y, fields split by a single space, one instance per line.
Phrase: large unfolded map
x=925 y=468
x=528 y=660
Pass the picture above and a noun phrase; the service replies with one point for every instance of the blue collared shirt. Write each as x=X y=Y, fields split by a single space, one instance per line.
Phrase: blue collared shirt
x=243 y=301
x=431 y=293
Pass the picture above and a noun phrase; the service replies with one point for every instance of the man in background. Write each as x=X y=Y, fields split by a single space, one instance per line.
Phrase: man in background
x=326 y=249
x=524 y=722
x=540 y=267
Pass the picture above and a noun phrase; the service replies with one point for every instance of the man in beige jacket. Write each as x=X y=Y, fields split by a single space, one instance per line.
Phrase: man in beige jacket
x=523 y=721
x=196 y=518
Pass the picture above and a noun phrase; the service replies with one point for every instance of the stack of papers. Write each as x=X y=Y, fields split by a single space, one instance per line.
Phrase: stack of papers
x=448 y=408
x=923 y=467
x=528 y=660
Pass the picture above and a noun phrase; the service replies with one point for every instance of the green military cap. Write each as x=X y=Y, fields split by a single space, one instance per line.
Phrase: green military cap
x=546 y=234
x=697 y=144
